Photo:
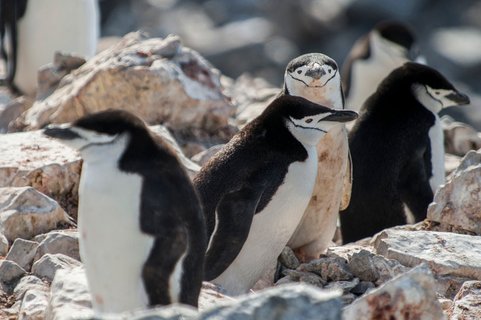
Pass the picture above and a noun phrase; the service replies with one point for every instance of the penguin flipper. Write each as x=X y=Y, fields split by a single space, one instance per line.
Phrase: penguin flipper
x=347 y=184
x=233 y=221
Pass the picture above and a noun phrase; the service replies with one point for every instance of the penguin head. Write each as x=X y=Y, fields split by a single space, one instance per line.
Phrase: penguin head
x=100 y=135
x=308 y=122
x=427 y=85
x=393 y=41
x=314 y=76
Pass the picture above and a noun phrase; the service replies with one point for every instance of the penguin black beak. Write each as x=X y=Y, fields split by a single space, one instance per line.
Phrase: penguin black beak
x=60 y=133
x=459 y=98
x=315 y=73
x=341 y=116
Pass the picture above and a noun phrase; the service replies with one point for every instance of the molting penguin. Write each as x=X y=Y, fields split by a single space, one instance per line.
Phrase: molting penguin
x=31 y=32
x=255 y=189
x=134 y=194
x=316 y=77
x=388 y=46
x=392 y=150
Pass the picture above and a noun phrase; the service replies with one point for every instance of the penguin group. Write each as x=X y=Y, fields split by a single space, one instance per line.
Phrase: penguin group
x=286 y=179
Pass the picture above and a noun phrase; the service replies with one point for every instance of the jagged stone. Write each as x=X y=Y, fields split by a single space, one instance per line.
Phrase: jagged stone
x=288 y=259
x=49 y=264
x=3 y=245
x=10 y=272
x=459 y=138
x=66 y=243
x=22 y=252
x=466 y=304
x=329 y=268
x=26 y=283
x=34 y=303
x=345 y=286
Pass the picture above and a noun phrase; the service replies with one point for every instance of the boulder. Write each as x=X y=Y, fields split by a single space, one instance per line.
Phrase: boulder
x=25 y=212
x=171 y=312
x=329 y=268
x=445 y=253
x=288 y=259
x=457 y=204
x=158 y=79
x=12 y=110
x=22 y=252
x=3 y=245
x=66 y=243
x=459 y=138
x=467 y=302
x=34 y=304
x=26 y=283
x=49 y=264
x=10 y=272
x=408 y=296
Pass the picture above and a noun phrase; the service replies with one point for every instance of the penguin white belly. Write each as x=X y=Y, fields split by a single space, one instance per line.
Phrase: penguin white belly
x=317 y=228
x=272 y=227
x=53 y=25
x=112 y=246
x=436 y=137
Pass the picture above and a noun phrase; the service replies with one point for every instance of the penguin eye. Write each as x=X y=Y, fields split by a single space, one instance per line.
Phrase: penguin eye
x=299 y=71
x=308 y=120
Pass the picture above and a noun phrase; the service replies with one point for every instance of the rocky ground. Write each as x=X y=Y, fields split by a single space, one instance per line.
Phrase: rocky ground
x=431 y=270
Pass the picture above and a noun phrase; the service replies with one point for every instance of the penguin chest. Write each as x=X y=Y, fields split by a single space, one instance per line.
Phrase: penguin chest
x=272 y=227
x=436 y=138
x=112 y=246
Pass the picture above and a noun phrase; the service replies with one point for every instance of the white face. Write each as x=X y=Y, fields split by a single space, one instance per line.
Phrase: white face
x=318 y=83
x=433 y=99
x=309 y=130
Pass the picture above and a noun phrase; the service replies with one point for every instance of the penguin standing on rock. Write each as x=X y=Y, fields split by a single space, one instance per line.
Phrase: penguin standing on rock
x=388 y=46
x=142 y=231
x=394 y=148
x=316 y=77
x=32 y=31
x=255 y=190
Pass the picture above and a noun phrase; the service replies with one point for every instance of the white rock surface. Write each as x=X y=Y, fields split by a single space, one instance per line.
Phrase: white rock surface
x=3 y=245
x=158 y=79
x=49 y=264
x=34 y=304
x=22 y=252
x=66 y=243
x=26 y=283
x=457 y=204
x=459 y=138
x=69 y=297
x=408 y=296
x=25 y=212
x=445 y=253
x=10 y=272
x=467 y=303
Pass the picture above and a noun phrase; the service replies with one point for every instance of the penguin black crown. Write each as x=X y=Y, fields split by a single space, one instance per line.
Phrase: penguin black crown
x=255 y=190
x=134 y=195
x=395 y=147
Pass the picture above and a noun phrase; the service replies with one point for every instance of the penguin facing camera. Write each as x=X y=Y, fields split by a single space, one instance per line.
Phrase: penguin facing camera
x=396 y=152
x=133 y=184
x=255 y=190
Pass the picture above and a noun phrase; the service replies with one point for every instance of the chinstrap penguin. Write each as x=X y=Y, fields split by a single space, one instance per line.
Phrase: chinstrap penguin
x=32 y=31
x=316 y=77
x=388 y=46
x=142 y=230
x=255 y=190
x=394 y=150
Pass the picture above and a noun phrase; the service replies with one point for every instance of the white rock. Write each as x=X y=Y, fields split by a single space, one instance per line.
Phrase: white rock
x=25 y=212
x=158 y=79
x=22 y=252
x=445 y=253
x=34 y=303
x=467 y=302
x=459 y=138
x=66 y=243
x=70 y=298
x=408 y=296
x=49 y=264
x=26 y=283
x=3 y=245
x=457 y=204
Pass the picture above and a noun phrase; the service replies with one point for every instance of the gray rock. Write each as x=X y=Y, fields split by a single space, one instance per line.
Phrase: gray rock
x=3 y=245
x=459 y=138
x=22 y=252
x=70 y=298
x=10 y=272
x=59 y=242
x=445 y=253
x=329 y=268
x=286 y=302
x=304 y=277
x=25 y=212
x=345 y=286
x=171 y=312
x=26 y=283
x=448 y=286
x=457 y=204
x=13 y=110
x=362 y=287
x=49 y=264
x=466 y=303
x=210 y=295
x=34 y=303
x=409 y=296
x=288 y=259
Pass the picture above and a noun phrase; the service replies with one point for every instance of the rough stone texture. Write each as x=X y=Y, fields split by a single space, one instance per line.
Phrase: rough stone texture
x=66 y=243
x=70 y=298
x=467 y=302
x=34 y=304
x=210 y=295
x=329 y=268
x=301 y=276
x=459 y=138
x=10 y=272
x=409 y=296
x=13 y=110
x=457 y=204
x=288 y=259
x=448 y=286
x=171 y=312
x=3 y=245
x=26 y=283
x=22 y=252
x=345 y=286
x=363 y=287
x=445 y=253
x=31 y=159
x=292 y=301
x=25 y=212
x=158 y=79
x=49 y=264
